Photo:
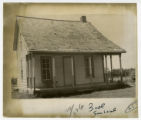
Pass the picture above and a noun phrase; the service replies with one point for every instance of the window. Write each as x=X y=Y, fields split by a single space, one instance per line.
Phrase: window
x=89 y=66
x=14 y=81
x=45 y=68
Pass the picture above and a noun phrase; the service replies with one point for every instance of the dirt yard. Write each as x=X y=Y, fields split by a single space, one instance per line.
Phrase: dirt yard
x=118 y=93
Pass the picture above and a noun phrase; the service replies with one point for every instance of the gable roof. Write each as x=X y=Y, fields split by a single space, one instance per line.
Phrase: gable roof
x=63 y=36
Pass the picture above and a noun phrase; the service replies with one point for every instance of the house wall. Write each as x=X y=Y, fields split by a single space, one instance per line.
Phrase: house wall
x=98 y=68
x=80 y=75
x=21 y=63
x=79 y=72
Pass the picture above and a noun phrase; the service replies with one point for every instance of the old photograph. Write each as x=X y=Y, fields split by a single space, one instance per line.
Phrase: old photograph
x=53 y=53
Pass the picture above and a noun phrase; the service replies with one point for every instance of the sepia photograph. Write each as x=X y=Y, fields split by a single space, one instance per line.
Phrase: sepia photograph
x=70 y=53
x=65 y=56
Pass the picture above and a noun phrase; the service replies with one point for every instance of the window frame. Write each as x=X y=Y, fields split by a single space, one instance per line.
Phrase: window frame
x=87 y=68
x=45 y=69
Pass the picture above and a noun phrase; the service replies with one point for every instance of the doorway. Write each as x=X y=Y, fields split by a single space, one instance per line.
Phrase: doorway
x=68 y=75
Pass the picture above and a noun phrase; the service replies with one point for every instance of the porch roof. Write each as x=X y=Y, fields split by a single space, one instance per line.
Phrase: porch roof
x=63 y=36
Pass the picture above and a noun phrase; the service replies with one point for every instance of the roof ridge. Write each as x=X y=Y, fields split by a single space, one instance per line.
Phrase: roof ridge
x=47 y=19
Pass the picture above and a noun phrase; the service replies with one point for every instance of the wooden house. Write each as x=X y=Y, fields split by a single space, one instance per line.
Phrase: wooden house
x=55 y=55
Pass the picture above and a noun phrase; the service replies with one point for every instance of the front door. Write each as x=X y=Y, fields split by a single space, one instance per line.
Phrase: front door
x=68 y=75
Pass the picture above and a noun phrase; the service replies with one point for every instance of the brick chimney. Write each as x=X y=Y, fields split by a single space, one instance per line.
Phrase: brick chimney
x=83 y=19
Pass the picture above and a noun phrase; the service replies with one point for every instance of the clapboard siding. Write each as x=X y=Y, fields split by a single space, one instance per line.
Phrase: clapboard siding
x=21 y=60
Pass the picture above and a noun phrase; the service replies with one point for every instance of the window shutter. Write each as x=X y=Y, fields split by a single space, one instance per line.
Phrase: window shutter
x=93 y=73
x=89 y=66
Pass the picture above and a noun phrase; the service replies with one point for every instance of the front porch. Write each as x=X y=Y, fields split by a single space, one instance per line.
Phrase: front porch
x=110 y=78
x=108 y=81
x=81 y=92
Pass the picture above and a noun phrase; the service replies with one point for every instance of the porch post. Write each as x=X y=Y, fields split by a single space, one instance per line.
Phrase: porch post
x=53 y=71
x=111 y=68
x=27 y=70
x=30 y=72
x=106 y=68
x=103 y=64
x=120 y=67
x=33 y=71
x=72 y=67
x=74 y=70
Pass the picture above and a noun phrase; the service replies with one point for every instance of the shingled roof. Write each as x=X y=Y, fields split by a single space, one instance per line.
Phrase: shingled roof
x=63 y=36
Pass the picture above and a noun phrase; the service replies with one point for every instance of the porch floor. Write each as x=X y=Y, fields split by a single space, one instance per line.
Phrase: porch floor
x=116 y=91
x=67 y=91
